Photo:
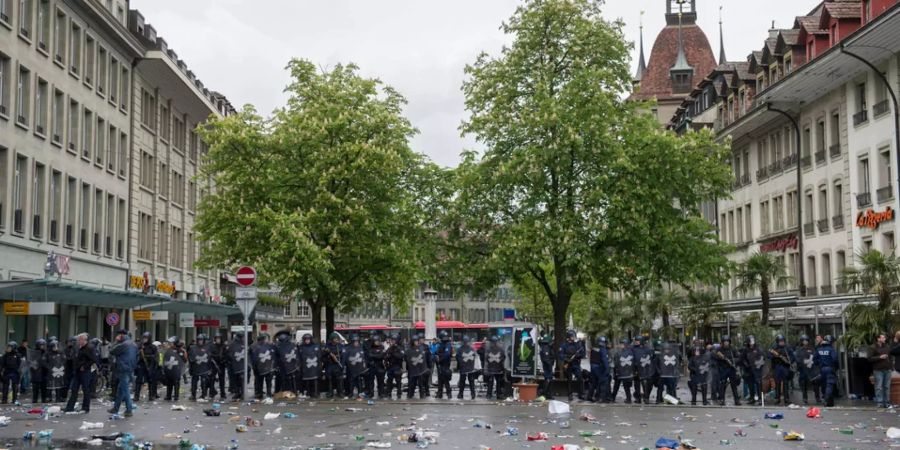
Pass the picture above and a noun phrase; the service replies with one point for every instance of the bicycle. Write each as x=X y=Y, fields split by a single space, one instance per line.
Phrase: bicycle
x=101 y=379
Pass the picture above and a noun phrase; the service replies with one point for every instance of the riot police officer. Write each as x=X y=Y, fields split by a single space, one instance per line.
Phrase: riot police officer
x=444 y=356
x=201 y=366
x=752 y=361
x=781 y=364
x=494 y=367
x=262 y=355
x=38 y=372
x=570 y=354
x=668 y=367
x=54 y=364
x=10 y=363
x=288 y=362
x=354 y=359
x=332 y=354
x=808 y=368
x=726 y=358
x=416 y=367
x=147 y=368
x=699 y=368
x=235 y=355
x=643 y=360
x=599 y=372
x=174 y=359
x=310 y=366
x=376 y=365
x=828 y=364
x=218 y=352
x=548 y=357
x=465 y=364
x=623 y=366
x=394 y=359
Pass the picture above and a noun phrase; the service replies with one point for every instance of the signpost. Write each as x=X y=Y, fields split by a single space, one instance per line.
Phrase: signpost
x=245 y=297
x=112 y=319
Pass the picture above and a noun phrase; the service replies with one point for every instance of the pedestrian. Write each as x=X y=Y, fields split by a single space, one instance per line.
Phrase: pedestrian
x=54 y=364
x=83 y=369
x=829 y=364
x=880 y=358
x=10 y=363
x=174 y=360
x=699 y=367
x=752 y=361
x=24 y=368
x=726 y=362
x=147 y=368
x=394 y=359
x=599 y=372
x=376 y=365
x=495 y=365
x=782 y=358
x=444 y=355
x=262 y=355
x=125 y=354
x=571 y=352
x=311 y=367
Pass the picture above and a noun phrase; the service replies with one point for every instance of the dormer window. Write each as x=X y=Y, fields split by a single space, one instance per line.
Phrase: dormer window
x=761 y=80
x=787 y=63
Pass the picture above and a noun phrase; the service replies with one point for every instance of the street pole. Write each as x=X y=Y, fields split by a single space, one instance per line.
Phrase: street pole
x=246 y=375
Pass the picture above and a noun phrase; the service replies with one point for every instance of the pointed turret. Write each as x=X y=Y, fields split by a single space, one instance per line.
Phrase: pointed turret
x=722 y=58
x=642 y=62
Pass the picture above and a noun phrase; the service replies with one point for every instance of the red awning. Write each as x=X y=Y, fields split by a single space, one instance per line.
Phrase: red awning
x=477 y=325
x=420 y=325
x=367 y=328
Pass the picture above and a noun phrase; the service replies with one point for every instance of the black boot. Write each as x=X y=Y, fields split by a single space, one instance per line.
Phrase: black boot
x=734 y=393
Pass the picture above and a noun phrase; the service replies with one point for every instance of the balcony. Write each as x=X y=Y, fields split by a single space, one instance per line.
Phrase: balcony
x=826 y=290
x=745 y=179
x=837 y=222
x=885 y=193
x=762 y=174
x=835 y=150
x=775 y=168
x=864 y=199
x=18 y=221
x=860 y=118
x=881 y=108
x=820 y=156
x=807 y=161
x=809 y=228
x=841 y=289
x=36 y=226
x=823 y=225
x=789 y=161
x=812 y=291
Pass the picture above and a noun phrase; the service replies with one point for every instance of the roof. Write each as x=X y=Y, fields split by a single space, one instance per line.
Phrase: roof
x=657 y=82
x=848 y=9
x=810 y=24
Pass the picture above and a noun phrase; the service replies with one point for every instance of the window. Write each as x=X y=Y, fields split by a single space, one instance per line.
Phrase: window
x=163 y=180
x=811 y=282
x=43 y=24
x=41 y=97
x=194 y=143
x=806 y=142
x=26 y=17
x=111 y=151
x=823 y=202
x=123 y=87
x=60 y=28
x=889 y=246
x=37 y=200
x=113 y=80
x=764 y=218
x=787 y=63
x=147 y=170
x=145 y=236
x=826 y=272
x=788 y=134
x=71 y=211
x=4 y=189
x=762 y=155
x=59 y=111
x=55 y=204
x=836 y=131
x=177 y=248
x=102 y=70
x=178 y=188
x=861 y=101
x=122 y=233
x=74 y=120
x=864 y=181
x=19 y=196
x=791 y=208
x=191 y=252
x=192 y=196
x=84 y=219
x=98 y=220
x=148 y=110
x=90 y=52
x=179 y=137
x=748 y=226
x=87 y=136
x=838 y=195
x=808 y=216
x=123 y=153
x=5 y=64
x=840 y=261
x=23 y=93
x=101 y=141
x=165 y=119
x=5 y=10
x=820 y=136
x=110 y=225
x=881 y=92
x=163 y=250
x=75 y=54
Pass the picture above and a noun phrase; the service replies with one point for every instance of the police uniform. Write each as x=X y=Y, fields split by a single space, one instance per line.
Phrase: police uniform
x=416 y=367
x=38 y=372
x=781 y=358
x=235 y=355
x=262 y=355
x=444 y=356
x=808 y=369
x=668 y=367
x=174 y=360
x=547 y=359
x=10 y=363
x=726 y=362
x=332 y=354
x=288 y=357
x=201 y=365
x=829 y=364
x=147 y=369
x=752 y=361
x=54 y=363
x=699 y=368
x=646 y=369
x=494 y=367
x=310 y=366
x=623 y=367
x=465 y=364
x=376 y=365
x=218 y=351
x=570 y=354
x=599 y=372
x=354 y=359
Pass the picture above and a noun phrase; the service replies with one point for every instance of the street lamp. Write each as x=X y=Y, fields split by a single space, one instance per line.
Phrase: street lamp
x=430 y=313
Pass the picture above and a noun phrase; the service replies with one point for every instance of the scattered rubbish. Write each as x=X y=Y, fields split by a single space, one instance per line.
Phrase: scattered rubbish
x=289 y=415
x=422 y=444
x=666 y=443
x=360 y=438
x=95 y=442
x=53 y=410
x=774 y=416
x=271 y=416
x=267 y=401
x=320 y=435
x=538 y=437
x=379 y=444
x=847 y=430
x=370 y=402
x=29 y=435
x=382 y=424
x=212 y=412
x=893 y=433
x=726 y=442
x=813 y=413
x=241 y=428
x=511 y=431
x=4 y=421
x=558 y=407
x=116 y=417
x=794 y=436
x=564 y=424
x=178 y=408
x=670 y=399
x=184 y=443
x=91 y=425
x=424 y=417
x=285 y=395
x=35 y=411
x=353 y=409
x=740 y=433
x=587 y=417
x=481 y=424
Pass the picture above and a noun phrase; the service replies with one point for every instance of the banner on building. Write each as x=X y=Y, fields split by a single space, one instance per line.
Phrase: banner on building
x=523 y=354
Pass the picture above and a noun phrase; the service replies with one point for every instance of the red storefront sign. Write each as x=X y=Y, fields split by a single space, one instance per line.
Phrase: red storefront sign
x=780 y=245
x=210 y=323
x=871 y=219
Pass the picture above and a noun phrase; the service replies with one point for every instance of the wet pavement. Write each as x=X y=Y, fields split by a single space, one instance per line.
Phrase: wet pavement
x=460 y=425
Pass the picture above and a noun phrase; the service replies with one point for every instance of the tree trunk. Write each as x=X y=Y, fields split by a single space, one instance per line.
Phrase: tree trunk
x=665 y=319
x=316 y=309
x=329 y=319
x=560 y=308
x=764 y=296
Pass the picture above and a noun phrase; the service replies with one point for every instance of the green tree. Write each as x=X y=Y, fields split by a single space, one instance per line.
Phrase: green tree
x=577 y=184
x=875 y=274
x=325 y=198
x=761 y=272
x=700 y=312
x=662 y=303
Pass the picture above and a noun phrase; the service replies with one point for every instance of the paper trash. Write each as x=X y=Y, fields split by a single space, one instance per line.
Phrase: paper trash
x=558 y=407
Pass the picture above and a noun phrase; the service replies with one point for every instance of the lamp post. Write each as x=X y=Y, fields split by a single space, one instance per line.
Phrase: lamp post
x=430 y=313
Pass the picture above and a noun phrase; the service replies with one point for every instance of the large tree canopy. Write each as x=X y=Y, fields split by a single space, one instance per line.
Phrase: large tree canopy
x=578 y=185
x=326 y=198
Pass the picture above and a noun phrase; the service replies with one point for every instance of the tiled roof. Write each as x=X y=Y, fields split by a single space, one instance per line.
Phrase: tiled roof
x=790 y=37
x=844 y=9
x=657 y=82
x=810 y=24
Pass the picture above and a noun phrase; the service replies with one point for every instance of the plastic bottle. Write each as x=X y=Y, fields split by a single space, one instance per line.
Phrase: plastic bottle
x=847 y=430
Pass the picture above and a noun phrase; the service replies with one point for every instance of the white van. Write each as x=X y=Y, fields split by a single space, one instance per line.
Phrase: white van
x=298 y=336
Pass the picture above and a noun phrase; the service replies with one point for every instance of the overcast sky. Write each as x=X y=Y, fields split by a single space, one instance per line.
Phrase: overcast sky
x=240 y=47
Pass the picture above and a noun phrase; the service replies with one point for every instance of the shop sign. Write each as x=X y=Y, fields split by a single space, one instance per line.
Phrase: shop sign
x=186 y=320
x=165 y=288
x=29 y=309
x=15 y=309
x=139 y=283
x=871 y=219
x=780 y=245
x=141 y=315
x=206 y=323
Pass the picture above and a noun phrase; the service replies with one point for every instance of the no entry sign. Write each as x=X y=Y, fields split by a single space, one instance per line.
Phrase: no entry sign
x=246 y=276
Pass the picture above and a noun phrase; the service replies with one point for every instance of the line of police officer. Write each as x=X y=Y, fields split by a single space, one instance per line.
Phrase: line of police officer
x=639 y=368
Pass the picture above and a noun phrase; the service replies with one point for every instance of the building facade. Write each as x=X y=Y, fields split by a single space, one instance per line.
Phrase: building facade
x=72 y=130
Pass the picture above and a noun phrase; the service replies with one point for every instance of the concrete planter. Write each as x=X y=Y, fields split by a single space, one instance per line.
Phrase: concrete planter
x=527 y=391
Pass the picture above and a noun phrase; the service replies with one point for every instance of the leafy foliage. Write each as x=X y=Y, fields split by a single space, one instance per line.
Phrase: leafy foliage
x=701 y=310
x=760 y=273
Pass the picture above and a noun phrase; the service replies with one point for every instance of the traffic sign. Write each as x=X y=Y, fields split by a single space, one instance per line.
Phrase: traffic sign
x=112 y=319
x=246 y=276
x=245 y=293
x=246 y=306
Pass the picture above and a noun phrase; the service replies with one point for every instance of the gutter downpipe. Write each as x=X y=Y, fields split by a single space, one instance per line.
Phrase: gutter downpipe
x=801 y=256
x=890 y=90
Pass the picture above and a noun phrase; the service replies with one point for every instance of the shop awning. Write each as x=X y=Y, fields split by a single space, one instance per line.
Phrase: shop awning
x=200 y=309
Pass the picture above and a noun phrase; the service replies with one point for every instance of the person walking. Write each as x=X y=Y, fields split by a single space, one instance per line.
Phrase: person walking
x=83 y=368
x=880 y=358
x=125 y=354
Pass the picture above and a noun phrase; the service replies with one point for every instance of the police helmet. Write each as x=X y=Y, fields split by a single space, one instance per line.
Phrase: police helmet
x=444 y=336
x=494 y=339
x=779 y=338
x=146 y=335
x=545 y=339
x=54 y=345
x=12 y=344
x=376 y=337
x=96 y=342
x=749 y=340
x=804 y=337
x=726 y=338
x=571 y=334
x=283 y=336
x=172 y=339
x=238 y=336
x=601 y=341
x=465 y=339
x=52 y=338
x=40 y=342
x=333 y=336
x=73 y=339
x=395 y=337
x=354 y=338
x=307 y=336
x=201 y=337
x=829 y=338
x=624 y=341
x=262 y=337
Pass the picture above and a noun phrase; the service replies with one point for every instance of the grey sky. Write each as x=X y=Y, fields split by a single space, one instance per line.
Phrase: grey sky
x=240 y=47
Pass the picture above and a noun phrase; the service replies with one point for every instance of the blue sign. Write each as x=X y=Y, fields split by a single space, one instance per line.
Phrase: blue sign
x=509 y=314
